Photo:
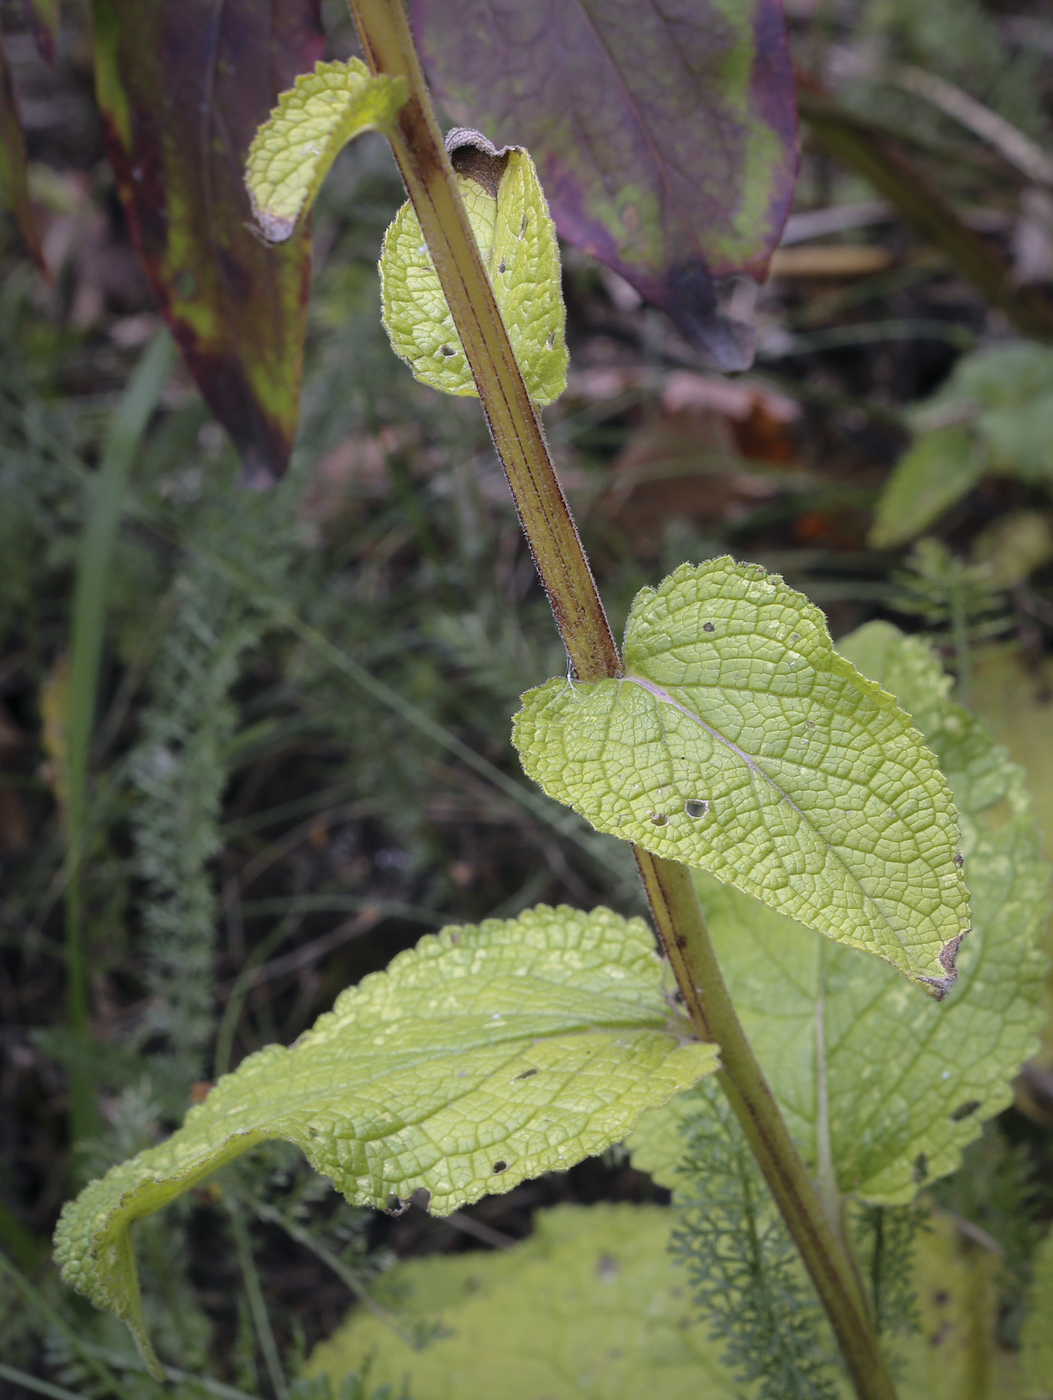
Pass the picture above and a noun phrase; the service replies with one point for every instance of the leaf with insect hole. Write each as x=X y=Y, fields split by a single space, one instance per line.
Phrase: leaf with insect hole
x=516 y=237
x=739 y=742
x=885 y=1086
x=481 y=1057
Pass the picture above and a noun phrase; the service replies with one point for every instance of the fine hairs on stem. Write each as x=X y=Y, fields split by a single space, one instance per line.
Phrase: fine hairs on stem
x=564 y=570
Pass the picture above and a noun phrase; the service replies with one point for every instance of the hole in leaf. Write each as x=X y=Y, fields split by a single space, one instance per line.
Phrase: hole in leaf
x=500 y=1167
x=524 y=225
x=502 y=266
x=447 y=350
x=965 y=1110
x=921 y=1168
x=526 y=1074
x=707 y=627
x=395 y=1205
x=696 y=807
x=659 y=818
x=550 y=343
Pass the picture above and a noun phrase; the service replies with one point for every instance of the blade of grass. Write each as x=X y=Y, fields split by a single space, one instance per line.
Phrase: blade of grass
x=257 y=1304
x=94 y=558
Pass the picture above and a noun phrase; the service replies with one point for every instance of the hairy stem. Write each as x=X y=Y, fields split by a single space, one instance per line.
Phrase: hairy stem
x=547 y=522
x=564 y=569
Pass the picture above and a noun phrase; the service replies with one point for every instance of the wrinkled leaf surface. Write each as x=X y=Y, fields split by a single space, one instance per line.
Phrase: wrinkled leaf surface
x=741 y=743
x=481 y=1057
x=182 y=89
x=896 y=1085
x=664 y=133
x=293 y=151
x=516 y=238
x=591 y=1307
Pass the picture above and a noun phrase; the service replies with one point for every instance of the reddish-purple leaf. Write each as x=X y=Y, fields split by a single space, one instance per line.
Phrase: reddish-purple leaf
x=183 y=85
x=42 y=16
x=664 y=131
x=14 y=181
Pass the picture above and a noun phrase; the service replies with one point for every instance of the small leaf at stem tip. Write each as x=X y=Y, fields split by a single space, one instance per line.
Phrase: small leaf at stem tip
x=509 y=217
x=739 y=742
x=481 y=1057
x=293 y=150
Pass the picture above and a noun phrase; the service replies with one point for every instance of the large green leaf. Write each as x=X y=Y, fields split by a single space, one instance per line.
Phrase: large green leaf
x=739 y=742
x=293 y=150
x=591 y=1307
x=878 y=1087
x=483 y=1056
x=517 y=239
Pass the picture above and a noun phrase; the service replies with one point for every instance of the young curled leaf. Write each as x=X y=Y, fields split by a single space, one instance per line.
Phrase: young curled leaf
x=517 y=239
x=293 y=150
x=738 y=741
x=481 y=1057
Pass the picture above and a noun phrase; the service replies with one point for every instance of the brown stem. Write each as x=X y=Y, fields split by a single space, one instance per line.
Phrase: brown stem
x=547 y=522
x=579 y=614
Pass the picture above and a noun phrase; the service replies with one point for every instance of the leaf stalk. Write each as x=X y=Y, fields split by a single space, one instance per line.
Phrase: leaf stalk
x=567 y=577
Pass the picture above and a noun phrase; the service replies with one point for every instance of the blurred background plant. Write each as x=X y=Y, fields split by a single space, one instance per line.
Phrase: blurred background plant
x=300 y=758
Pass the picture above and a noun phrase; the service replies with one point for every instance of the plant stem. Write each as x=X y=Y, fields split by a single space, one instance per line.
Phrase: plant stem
x=543 y=511
x=94 y=557
x=676 y=909
x=564 y=569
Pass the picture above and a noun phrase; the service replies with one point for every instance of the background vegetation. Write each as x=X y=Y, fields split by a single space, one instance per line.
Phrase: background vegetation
x=302 y=758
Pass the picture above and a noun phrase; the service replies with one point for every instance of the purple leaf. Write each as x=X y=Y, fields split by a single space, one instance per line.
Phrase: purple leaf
x=664 y=131
x=182 y=87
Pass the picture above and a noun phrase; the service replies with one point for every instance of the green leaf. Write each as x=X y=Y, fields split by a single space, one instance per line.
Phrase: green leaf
x=741 y=743
x=481 y=1057
x=879 y=1089
x=954 y=1354
x=517 y=239
x=591 y=1307
x=294 y=149
x=940 y=468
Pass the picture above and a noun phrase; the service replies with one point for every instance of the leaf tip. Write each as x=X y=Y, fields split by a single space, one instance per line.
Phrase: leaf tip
x=938 y=987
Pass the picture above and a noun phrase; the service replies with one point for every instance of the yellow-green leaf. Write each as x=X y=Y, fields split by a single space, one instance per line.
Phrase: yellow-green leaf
x=294 y=149
x=591 y=1307
x=481 y=1057
x=884 y=1086
x=517 y=239
x=739 y=742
